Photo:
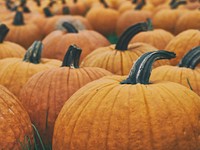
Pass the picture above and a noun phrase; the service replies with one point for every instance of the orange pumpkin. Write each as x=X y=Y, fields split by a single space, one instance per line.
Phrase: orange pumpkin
x=182 y=43
x=57 y=42
x=136 y=114
x=118 y=58
x=63 y=82
x=14 y=72
x=15 y=127
x=9 y=49
x=185 y=73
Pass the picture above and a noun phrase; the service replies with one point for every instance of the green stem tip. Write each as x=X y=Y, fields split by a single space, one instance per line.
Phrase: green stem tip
x=72 y=57
x=141 y=70
x=18 y=19
x=3 y=32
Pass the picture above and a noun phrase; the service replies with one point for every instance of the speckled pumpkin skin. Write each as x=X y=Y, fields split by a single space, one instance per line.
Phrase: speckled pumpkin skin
x=107 y=115
x=45 y=93
x=15 y=124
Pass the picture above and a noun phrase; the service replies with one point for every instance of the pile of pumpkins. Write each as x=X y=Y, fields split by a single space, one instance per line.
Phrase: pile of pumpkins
x=100 y=74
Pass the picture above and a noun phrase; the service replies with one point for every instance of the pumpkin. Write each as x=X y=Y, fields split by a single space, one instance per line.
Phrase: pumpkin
x=63 y=82
x=15 y=127
x=9 y=49
x=136 y=114
x=185 y=73
x=182 y=43
x=186 y=21
x=107 y=19
x=158 y=38
x=57 y=42
x=21 y=33
x=14 y=72
x=118 y=58
x=130 y=18
x=158 y=2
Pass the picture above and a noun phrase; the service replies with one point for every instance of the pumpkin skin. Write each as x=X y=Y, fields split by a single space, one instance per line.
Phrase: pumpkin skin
x=185 y=73
x=182 y=43
x=9 y=49
x=14 y=72
x=15 y=123
x=105 y=114
x=118 y=58
x=63 y=82
x=57 y=42
x=186 y=21
x=22 y=34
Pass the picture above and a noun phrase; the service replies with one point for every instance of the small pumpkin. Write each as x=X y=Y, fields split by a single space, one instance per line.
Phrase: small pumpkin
x=14 y=72
x=59 y=84
x=120 y=112
x=9 y=49
x=185 y=73
x=57 y=42
x=22 y=33
x=182 y=43
x=15 y=127
x=118 y=58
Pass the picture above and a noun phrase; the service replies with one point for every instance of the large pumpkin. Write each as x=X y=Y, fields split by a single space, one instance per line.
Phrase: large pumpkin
x=182 y=43
x=14 y=72
x=45 y=93
x=57 y=42
x=134 y=113
x=15 y=125
x=185 y=73
x=118 y=58
x=9 y=49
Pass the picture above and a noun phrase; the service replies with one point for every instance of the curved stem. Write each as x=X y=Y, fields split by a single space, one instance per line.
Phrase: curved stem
x=18 y=19
x=69 y=27
x=141 y=70
x=33 y=54
x=125 y=38
x=72 y=57
x=104 y=3
x=149 y=24
x=176 y=4
x=3 y=32
x=47 y=12
x=191 y=59
x=140 y=5
x=66 y=10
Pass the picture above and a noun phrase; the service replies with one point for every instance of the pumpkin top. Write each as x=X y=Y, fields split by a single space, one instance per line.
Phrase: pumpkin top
x=127 y=35
x=33 y=54
x=72 y=57
x=3 y=32
x=191 y=59
x=69 y=27
x=141 y=70
x=18 y=19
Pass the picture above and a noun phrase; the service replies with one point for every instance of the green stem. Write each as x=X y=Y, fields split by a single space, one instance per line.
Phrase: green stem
x=141 y=70
x=191 y=59
x=18 y=19
x=72 y=57
x=47 y=12
x=3 y=32
x=140 y=5
x=69 y=27
x=172 y=2
x=134 y=1
x=33 y=54
x=149 y=24
x=66 y=10
x=38 y=3
x=104 y=3
x=26 y=9
x=22 y=3
x=125 y=38
x=176 y=4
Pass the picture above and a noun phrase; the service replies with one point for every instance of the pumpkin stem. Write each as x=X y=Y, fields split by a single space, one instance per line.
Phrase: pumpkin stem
x=191 y=59
x=149 y=24
x=178 y=3
x=127 y=35
x=72 y=57
x=3 y=32
x=75 y=1
x=38 y=3
x=22 y=3
x=140 y=5
x=104 y=3
x=134 y=1
x=47 y=12
x=51 y=3
x=63 y=1
x=69 y=27
x=141 y=70
x=172 y=2
x=26 y=9
x=66 y=10
x=33 y=54
x=18 y=19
